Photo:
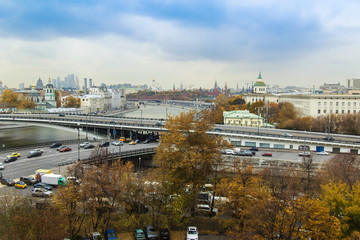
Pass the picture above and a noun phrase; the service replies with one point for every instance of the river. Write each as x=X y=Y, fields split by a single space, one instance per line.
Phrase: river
x=17 y=135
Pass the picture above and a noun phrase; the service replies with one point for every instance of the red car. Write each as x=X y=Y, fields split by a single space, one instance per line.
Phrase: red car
x=267 y=154
x=66 y=149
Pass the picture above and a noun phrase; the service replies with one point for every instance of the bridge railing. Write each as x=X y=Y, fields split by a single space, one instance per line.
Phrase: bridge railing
x=119 y=155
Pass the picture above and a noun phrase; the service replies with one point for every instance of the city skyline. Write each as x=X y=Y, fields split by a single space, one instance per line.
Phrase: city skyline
x=298 y=43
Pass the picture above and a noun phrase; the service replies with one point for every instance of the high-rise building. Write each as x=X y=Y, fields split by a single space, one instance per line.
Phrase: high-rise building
x=85 y=85
x=77 y=84
x=53 y=82
x=90 y=83
x=58 y=82
x=21 y=86
x=39 y=84
x=353 y=83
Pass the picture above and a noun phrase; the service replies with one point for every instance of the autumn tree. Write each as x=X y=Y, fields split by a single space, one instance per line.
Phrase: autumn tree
x=26 y=104
x=344 y=204
x=9 y=98
x=72 y=102
x=187 y=154
x=287 y=114
x=258 y=213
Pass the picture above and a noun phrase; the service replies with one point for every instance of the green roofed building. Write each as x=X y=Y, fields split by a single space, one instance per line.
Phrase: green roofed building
x=242 y=118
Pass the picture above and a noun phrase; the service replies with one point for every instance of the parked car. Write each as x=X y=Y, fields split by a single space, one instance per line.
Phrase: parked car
x=61 y=147
x=55 y=145
x=104 y=144
x=205 y=210
x=28 y=180
x=65 y=149
x=96 y=236
x=7 y=182
x=164 y=234
x=139 y=234
x=254 y=149
x=34 y=154
x=192 y=233
x=83 y=144
x=304 y=154
x=37 y=150
x=329 y=138
x=20 y=184
x=117 y=143
x=10 y=159
x=229 y=151
x=2 y=167
x=159 y=124
x=133 y=142
x=40 y=192
x=110 y=234
x=150 y=233
x=245 y=153
x=322 y=153
x=15 y=154
x=88 y=146
x=267 y=154
x=43 y=185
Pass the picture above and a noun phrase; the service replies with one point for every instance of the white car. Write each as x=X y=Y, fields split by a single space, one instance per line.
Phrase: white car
x=36 y=150
x=117 y=143
x=287 y=135
x=40 y=192
x=304 y=154
x=83 y=144
x=192 y=233
x=322 y=153
x=2 y=167
x=205 y=210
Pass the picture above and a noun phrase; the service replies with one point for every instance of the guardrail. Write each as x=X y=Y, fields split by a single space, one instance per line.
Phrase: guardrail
x=125 y=154
x=42 y=144
x=154 y=127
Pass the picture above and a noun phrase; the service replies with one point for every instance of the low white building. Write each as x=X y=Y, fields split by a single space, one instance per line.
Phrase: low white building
x=313 y=105
x=242 y=118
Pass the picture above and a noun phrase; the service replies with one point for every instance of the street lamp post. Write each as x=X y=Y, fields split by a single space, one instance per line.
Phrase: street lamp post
x=86 y=127
x=139 y=163
x=78 y=128
x=141 y=117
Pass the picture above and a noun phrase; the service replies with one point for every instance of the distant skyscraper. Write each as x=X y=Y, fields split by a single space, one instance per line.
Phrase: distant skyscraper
x=39 y=84
x=71 y=78
x=77 y=83
x=90 y=83
x=58 y=82
x=21 y=86
x=85 y=85
x=53 y=82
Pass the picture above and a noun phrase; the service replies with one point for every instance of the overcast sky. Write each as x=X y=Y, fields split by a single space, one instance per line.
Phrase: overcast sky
x=193 y=42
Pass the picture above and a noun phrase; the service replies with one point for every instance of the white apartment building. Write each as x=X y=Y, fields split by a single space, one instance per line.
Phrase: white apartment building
x=92 y=103
x=118 y=98
x=103 y=93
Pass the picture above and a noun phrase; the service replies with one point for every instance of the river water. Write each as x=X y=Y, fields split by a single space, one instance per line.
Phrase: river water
x=13 y=135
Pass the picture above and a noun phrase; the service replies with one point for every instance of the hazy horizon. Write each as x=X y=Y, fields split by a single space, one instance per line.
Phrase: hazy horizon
x=299 y=43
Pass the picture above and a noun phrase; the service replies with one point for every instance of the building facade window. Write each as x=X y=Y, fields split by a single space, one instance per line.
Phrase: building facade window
x=319 y=111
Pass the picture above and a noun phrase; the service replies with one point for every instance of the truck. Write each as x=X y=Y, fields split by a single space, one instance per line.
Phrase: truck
x=53 y=179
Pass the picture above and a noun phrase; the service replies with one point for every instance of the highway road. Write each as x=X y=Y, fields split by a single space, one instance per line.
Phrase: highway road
x=51 y=158
x=151 y=125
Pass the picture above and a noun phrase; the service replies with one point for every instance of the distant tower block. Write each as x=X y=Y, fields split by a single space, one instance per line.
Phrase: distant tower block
x=90 y=83
x=85 y=85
